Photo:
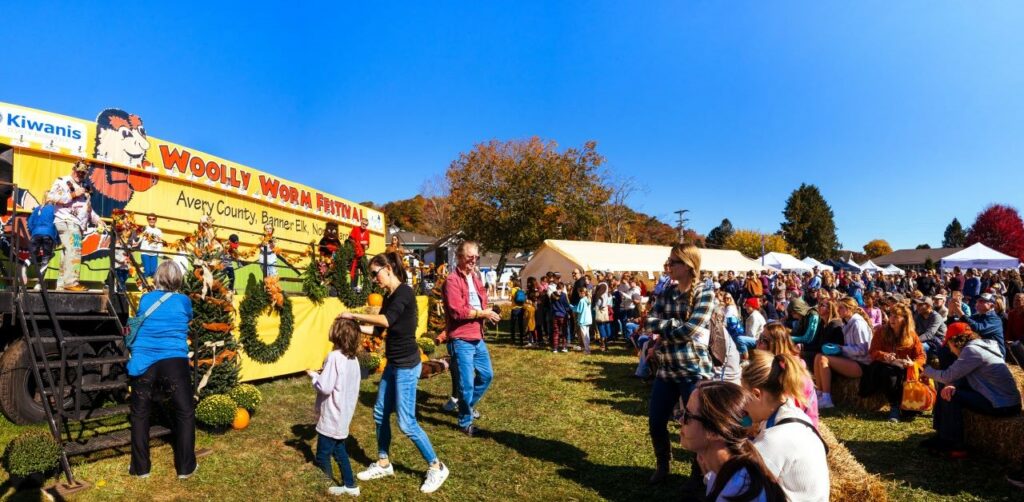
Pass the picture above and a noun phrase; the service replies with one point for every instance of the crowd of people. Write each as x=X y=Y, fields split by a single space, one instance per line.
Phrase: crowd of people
x=788 y=335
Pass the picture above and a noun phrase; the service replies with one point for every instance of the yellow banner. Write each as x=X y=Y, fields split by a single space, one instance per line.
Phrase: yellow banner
x=309 y=344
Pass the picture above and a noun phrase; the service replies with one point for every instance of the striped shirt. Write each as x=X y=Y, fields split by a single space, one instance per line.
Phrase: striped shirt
x=682 y=320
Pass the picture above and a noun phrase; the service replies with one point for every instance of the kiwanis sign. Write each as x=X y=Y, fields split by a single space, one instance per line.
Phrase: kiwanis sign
x=45 y=131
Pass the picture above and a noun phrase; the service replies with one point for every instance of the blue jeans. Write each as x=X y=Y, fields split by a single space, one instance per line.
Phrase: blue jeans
x=327 y=447
x=948 y=416
x=745 y=343
x=605 y=330
x=149 y=263
x=398 y=392
x=473 y=369
x=517 y=325
x=456 y=390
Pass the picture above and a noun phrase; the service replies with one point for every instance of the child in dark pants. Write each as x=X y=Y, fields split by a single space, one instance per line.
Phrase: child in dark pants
x=337 y=390
x=560 y=334
x=44 y=235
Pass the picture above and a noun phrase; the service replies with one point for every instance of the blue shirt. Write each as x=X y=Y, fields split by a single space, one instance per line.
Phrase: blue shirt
x=164 y=334
x=40 y=222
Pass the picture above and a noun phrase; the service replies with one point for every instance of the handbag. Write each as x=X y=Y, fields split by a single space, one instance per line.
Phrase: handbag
x=135 y=323
x=918 y=393
x=601 y=314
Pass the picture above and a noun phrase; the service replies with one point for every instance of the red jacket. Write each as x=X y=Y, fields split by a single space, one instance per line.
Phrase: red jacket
x=457 y=308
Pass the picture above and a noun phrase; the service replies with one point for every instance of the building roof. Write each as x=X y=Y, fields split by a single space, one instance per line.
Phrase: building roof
x=413 y=239
x=908 y=257
x=490 y=260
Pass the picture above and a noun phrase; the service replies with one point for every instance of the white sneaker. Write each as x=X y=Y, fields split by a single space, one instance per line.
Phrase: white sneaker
x=344 y=490
x=451 y=405
x=435 y=478
x=375 y=471
x=825 y=402
x=476 y=414
x=189 y=475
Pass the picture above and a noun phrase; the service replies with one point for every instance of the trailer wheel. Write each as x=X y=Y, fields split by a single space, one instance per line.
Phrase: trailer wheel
x=20 y=400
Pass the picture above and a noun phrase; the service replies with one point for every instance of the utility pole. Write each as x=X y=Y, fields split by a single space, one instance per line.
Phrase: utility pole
x=681 y=222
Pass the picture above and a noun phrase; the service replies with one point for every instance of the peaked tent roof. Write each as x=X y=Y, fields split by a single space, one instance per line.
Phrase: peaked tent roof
x=915 y=257
x=980 y=256
x=842 y=265
x=811 y=262
x=562 y=256
x=869 y=265
x=892 y=270
x=783 y=261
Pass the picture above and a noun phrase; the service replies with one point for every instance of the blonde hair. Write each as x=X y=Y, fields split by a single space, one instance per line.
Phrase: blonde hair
x=168 y=277
x=777 y=341
x=851 y=304
x=689 y=254
x=833 y=312
x=778 y=374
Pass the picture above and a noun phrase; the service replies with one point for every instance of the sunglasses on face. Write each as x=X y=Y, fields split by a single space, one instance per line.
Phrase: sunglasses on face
x=375 y=273
x=686 y=416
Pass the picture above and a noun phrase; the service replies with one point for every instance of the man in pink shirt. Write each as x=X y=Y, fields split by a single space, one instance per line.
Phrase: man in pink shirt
x=465 y=302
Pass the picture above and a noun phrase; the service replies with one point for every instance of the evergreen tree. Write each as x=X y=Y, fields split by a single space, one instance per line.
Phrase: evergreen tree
x=810 y=227
x=718 y=235
x=955 y=236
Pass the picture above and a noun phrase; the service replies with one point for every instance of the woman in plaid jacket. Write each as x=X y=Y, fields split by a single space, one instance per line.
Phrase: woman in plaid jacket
x=679 y=321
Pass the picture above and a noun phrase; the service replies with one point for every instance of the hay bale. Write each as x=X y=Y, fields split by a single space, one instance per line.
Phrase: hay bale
x=846 y=390
x=849 y=480
x=1002 y=438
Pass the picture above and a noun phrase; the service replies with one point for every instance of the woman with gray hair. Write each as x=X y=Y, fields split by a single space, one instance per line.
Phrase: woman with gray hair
x=159 y=362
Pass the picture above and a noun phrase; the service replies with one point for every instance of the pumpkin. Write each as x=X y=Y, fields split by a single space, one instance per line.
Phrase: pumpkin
x=241 y=420
x=375 y=300
x=918 y=394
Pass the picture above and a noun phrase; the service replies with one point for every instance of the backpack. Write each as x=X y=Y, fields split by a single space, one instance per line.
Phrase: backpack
x=520 y=297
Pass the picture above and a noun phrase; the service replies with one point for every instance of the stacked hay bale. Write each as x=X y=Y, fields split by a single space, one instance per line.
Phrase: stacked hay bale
x=1002 y=438
x=848 y=478
x=846 y=390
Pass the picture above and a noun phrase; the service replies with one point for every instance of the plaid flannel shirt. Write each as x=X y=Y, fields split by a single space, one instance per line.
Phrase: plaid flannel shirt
x=678 y=317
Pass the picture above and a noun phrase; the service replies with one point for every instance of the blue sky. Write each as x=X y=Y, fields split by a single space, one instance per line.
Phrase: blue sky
x=905 y=114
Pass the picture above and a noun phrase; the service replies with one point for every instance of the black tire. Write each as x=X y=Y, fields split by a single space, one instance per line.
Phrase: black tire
x=19 y=397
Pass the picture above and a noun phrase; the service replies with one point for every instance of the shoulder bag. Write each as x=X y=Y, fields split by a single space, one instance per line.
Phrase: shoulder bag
x=136 y=322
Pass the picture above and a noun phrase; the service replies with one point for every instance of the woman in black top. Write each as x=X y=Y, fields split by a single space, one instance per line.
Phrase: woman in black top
x=397 y=391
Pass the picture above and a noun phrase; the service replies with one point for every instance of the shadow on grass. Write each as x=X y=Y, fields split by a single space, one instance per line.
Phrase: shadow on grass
x=617 y=483
x=628 y=394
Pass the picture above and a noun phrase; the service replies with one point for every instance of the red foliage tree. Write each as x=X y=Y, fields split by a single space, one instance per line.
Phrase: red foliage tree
x=999 y=227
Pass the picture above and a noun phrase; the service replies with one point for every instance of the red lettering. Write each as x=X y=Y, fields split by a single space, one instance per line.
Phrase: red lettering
x=293 y=195
x=282 y=192
x=306 y=200
x=346 y=211
x=197 y=166
x=319 y=202
x=268 y=186
x=173 y=159
x=246 y=176
x=213 y=170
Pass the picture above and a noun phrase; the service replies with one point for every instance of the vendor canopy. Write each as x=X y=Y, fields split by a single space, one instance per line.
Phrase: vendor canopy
x=562 y=256
x=980 y=256
x=783 y=261
x=811 y=263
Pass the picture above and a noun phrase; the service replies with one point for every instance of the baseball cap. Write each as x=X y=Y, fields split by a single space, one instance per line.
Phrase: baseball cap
x=924 y=300
x=988 y=297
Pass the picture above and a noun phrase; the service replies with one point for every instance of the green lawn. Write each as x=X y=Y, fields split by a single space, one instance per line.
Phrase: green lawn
x=556 y=427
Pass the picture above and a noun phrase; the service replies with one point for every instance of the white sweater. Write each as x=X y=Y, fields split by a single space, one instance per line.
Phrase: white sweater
x=793 y=452
x=337 y=390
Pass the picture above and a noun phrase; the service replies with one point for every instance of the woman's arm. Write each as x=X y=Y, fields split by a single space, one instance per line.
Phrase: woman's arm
x=699 y=319
x=378 y=320
x=808 y=335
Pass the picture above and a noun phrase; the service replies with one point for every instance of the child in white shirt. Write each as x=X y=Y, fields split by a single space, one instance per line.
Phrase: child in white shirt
x=337 y=387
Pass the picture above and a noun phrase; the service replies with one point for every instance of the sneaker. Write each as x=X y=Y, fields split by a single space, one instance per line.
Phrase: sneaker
x=894 y=416
x=554 y=351
x=451 y=405
x=825 y=402
x=189 y=475
x=344 y=490
x=469 y=430
x=375 y=471
x=36 y=287
x=435 y=478
x=564 y=350
x=137 y=476
x=476 y=414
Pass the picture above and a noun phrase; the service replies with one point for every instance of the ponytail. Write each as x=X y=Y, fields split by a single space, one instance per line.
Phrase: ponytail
x=392 y=260
x=778 y=374
x=746 y=457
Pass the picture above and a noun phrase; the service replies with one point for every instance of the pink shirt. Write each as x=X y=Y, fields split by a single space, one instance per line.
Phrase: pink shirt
x=457 y=307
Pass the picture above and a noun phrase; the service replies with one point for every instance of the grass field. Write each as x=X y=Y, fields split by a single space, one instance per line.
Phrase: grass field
x=556 y=427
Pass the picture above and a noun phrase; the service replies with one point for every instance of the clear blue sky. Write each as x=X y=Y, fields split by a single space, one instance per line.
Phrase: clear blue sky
x=906 y=114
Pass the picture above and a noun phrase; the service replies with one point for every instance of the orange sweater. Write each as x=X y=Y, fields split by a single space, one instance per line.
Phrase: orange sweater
x=879 y=346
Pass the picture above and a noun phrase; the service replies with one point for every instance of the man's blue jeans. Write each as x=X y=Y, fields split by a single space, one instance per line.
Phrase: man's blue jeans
x=397 y=392
x=745 y=343
x=473 y=369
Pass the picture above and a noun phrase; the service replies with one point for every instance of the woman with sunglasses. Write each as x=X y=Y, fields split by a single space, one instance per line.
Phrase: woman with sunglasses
x=397 y=391
x=679 y=322
x=712 y=426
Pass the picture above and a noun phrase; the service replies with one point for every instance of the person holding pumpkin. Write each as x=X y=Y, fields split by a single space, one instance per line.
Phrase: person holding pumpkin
x=893 y=350
x=397 y=388
x=979 y=380
x=159 y=358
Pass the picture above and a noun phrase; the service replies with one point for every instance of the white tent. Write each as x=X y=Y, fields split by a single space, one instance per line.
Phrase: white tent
x=979 y=256
x=870 y=266
x=811 y=263
x=892 y=270
x=562 y=256
x=783 y=261
x=853 y=264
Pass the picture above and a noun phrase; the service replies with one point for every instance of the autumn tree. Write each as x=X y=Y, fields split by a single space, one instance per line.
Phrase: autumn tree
x=511 y=195
x=749 y=243
x=810 y=227
x=954 y=236
x=876 y=248
x=718 y=235
x=999 y=227
x=406 y=214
